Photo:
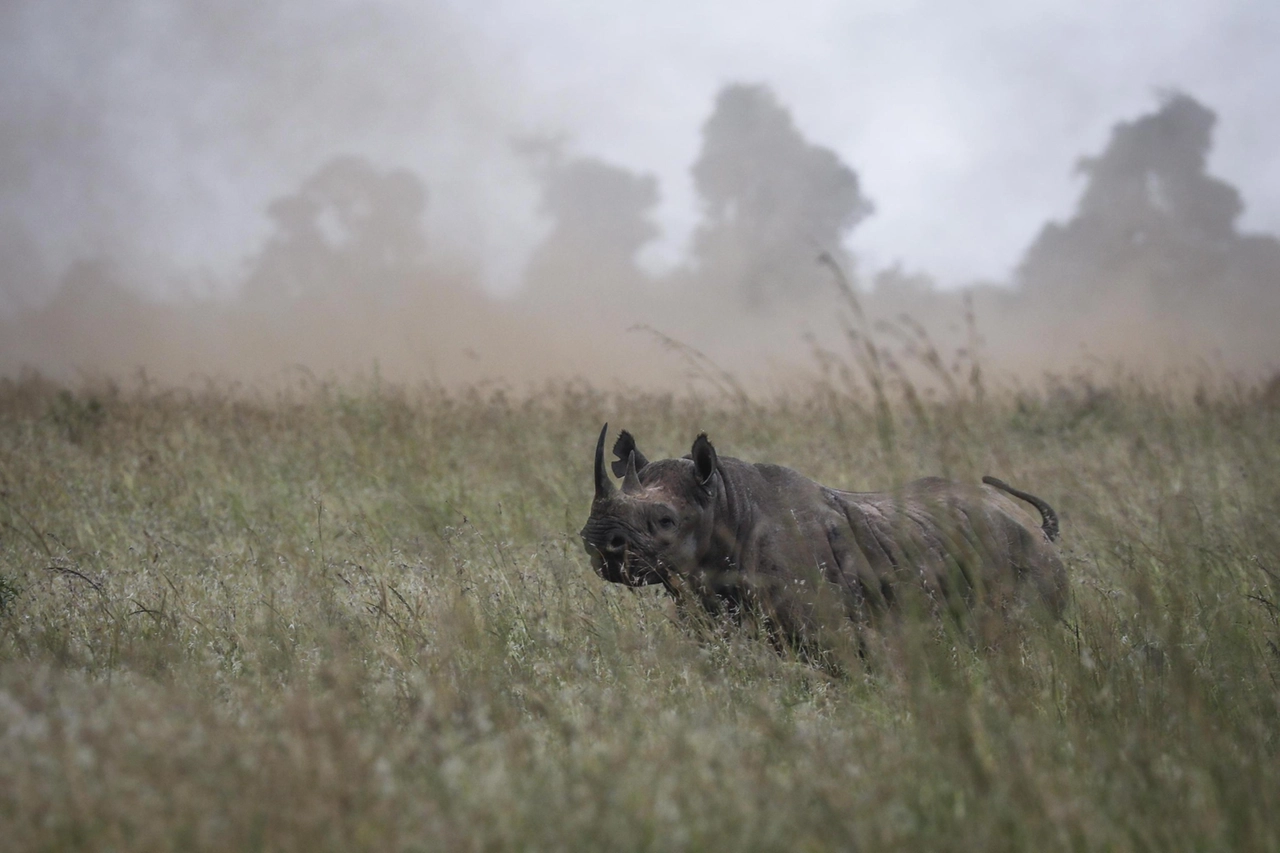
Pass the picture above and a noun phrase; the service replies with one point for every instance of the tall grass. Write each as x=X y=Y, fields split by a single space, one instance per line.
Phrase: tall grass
x=360 y=618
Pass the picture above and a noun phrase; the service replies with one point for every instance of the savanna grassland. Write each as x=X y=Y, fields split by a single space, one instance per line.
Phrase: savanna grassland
x=359 y=617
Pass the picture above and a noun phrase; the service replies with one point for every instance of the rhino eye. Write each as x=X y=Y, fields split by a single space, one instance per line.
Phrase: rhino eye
x=666 y=522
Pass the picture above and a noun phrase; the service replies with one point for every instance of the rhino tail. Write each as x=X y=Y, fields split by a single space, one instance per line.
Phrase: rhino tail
x=1047 y=515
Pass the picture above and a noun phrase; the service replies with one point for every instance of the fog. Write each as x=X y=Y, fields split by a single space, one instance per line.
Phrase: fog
x=500 y=194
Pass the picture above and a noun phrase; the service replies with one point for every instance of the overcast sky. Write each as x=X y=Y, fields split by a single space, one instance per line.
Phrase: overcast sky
x=160 y=131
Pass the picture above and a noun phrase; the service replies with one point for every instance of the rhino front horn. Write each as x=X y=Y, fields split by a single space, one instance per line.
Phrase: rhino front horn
x=631 y=482
x=604 y=488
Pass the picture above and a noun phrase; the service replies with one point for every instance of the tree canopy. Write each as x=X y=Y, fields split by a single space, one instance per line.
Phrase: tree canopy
x=1152 y=220
x=772 y=200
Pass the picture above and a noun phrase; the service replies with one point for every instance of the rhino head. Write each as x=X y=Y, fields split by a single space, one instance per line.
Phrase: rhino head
x=652 y=530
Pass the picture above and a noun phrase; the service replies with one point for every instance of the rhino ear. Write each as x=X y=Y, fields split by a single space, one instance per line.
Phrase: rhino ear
x=623 y=448
x=704 y=459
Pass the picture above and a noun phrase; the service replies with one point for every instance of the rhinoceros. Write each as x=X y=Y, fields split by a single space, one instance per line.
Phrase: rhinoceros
x=729 y=534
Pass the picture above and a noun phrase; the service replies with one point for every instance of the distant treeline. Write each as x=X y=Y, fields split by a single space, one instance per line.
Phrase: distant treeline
x=1151 y=260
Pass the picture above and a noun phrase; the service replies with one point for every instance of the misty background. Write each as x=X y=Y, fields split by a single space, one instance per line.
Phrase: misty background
x=502 y=190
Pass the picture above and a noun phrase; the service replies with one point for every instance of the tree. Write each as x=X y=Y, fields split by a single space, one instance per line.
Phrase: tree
x=772 y=200
x=1150 y=217
x=348 y=225
x=602 y=217
x=24 y=281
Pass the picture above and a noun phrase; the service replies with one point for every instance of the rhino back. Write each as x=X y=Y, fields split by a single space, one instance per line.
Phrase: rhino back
x=955 y=539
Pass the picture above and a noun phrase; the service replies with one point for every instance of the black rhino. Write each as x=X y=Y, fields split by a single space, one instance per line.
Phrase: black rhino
x=728 y=533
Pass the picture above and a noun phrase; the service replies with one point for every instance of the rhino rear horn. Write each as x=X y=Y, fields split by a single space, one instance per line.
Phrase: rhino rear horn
x=631 y=480
x=604 y=487
x=624 y=447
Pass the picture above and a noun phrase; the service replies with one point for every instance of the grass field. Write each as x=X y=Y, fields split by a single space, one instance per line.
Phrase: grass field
x=360 y=618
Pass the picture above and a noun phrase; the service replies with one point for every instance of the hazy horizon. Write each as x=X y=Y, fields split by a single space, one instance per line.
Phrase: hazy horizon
x=563 y=158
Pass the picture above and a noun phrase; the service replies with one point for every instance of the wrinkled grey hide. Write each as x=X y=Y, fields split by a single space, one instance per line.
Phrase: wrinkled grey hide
x=728 y=533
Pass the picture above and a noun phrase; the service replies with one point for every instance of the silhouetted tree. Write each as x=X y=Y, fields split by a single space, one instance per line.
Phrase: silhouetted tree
x=1151 y=219
x=348 y=226
x=772 y=200
x=24 y=281
x=602 y=216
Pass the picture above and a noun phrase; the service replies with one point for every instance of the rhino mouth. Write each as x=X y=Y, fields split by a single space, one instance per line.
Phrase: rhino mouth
x=628 y=569
x=619 y=554
x=624 y=566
